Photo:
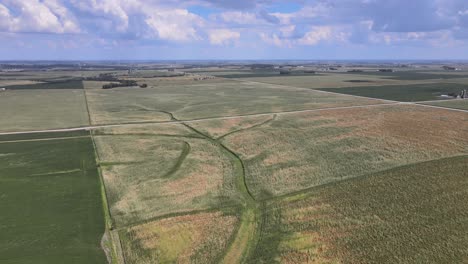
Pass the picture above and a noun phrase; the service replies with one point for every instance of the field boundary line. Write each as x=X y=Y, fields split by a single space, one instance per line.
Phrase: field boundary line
x=192 y=120
x=175 y=214
x=248 y=128
x=365 y=97
x=321 y=91
x=438 y=101
x=441 y=107
x=307 y=191
x=226 y=117
x=117 y=253
x=42 y=139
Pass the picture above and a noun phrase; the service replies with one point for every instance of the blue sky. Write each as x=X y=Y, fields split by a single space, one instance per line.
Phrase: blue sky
x=226 y=29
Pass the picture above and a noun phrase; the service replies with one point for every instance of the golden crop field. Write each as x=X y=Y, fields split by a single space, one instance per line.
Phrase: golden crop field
x=297 y=151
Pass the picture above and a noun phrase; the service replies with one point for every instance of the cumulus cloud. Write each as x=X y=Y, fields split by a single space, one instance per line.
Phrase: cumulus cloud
x=48 y=16
x=176 y=25
x=223 y=36
x=363 y=22
x=316 y=35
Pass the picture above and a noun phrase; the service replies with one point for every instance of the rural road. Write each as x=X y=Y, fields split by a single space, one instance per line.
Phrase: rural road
x=229 y=117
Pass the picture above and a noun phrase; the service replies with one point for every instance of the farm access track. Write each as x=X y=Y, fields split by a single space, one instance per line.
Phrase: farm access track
x=92 y=127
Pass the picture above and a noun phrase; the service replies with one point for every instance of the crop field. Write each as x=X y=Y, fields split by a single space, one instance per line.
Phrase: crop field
x=4 y=83
x=50 y=202
x=415 y=75
x=303 y=150
x=404 y=93
x=243 y=167
x=42 y=109
x=410 y=214
x=204 y=100
x=198 y=238
x=150 y=176
x=457 y=104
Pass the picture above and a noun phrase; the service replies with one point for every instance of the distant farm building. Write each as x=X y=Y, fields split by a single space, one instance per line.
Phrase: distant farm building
x=449 y=68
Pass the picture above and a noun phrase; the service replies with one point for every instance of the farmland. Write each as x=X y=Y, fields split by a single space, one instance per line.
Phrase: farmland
x=368 y=220
x=405 y=93
x=243 y=166
x=40 y=106
x=457 y=104
x=207 y=100
x=51 y=202
x=297 y=151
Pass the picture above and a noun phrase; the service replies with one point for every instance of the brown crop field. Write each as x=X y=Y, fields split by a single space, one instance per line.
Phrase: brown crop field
x=223 y=127
x=411 y=214
x=303 y=150
x=197 y=238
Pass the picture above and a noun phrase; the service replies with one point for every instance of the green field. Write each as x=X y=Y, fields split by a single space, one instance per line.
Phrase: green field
x=50 y=202
x=413 y=75
x=404 y=93
x=411 y=214
x=457 y=104
x=37 y=109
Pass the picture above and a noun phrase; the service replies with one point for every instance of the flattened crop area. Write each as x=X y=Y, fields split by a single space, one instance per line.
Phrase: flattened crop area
x=150 y=175
x=50 y=201
x=298 y=151
x=197 y=238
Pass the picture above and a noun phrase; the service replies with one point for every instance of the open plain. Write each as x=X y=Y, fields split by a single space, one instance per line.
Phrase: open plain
x=229 y=165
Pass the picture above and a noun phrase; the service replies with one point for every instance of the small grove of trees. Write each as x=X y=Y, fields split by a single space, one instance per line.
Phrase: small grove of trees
x=121 y=83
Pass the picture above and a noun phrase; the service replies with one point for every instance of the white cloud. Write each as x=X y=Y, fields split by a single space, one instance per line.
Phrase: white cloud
x=274 y=39
x=241 y=18
x=175 y=25
x=316 y=35
x=116 y=11
x=37 y=16
x=222 y=36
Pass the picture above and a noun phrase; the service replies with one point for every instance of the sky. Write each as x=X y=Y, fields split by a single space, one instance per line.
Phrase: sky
x=233 y=29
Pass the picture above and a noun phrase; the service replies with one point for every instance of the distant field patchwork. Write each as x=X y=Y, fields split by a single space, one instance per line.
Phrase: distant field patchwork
x=50 y=202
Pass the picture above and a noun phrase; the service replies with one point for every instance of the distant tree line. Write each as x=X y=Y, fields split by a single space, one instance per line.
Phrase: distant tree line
x=121 y=83
x=115 y=82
